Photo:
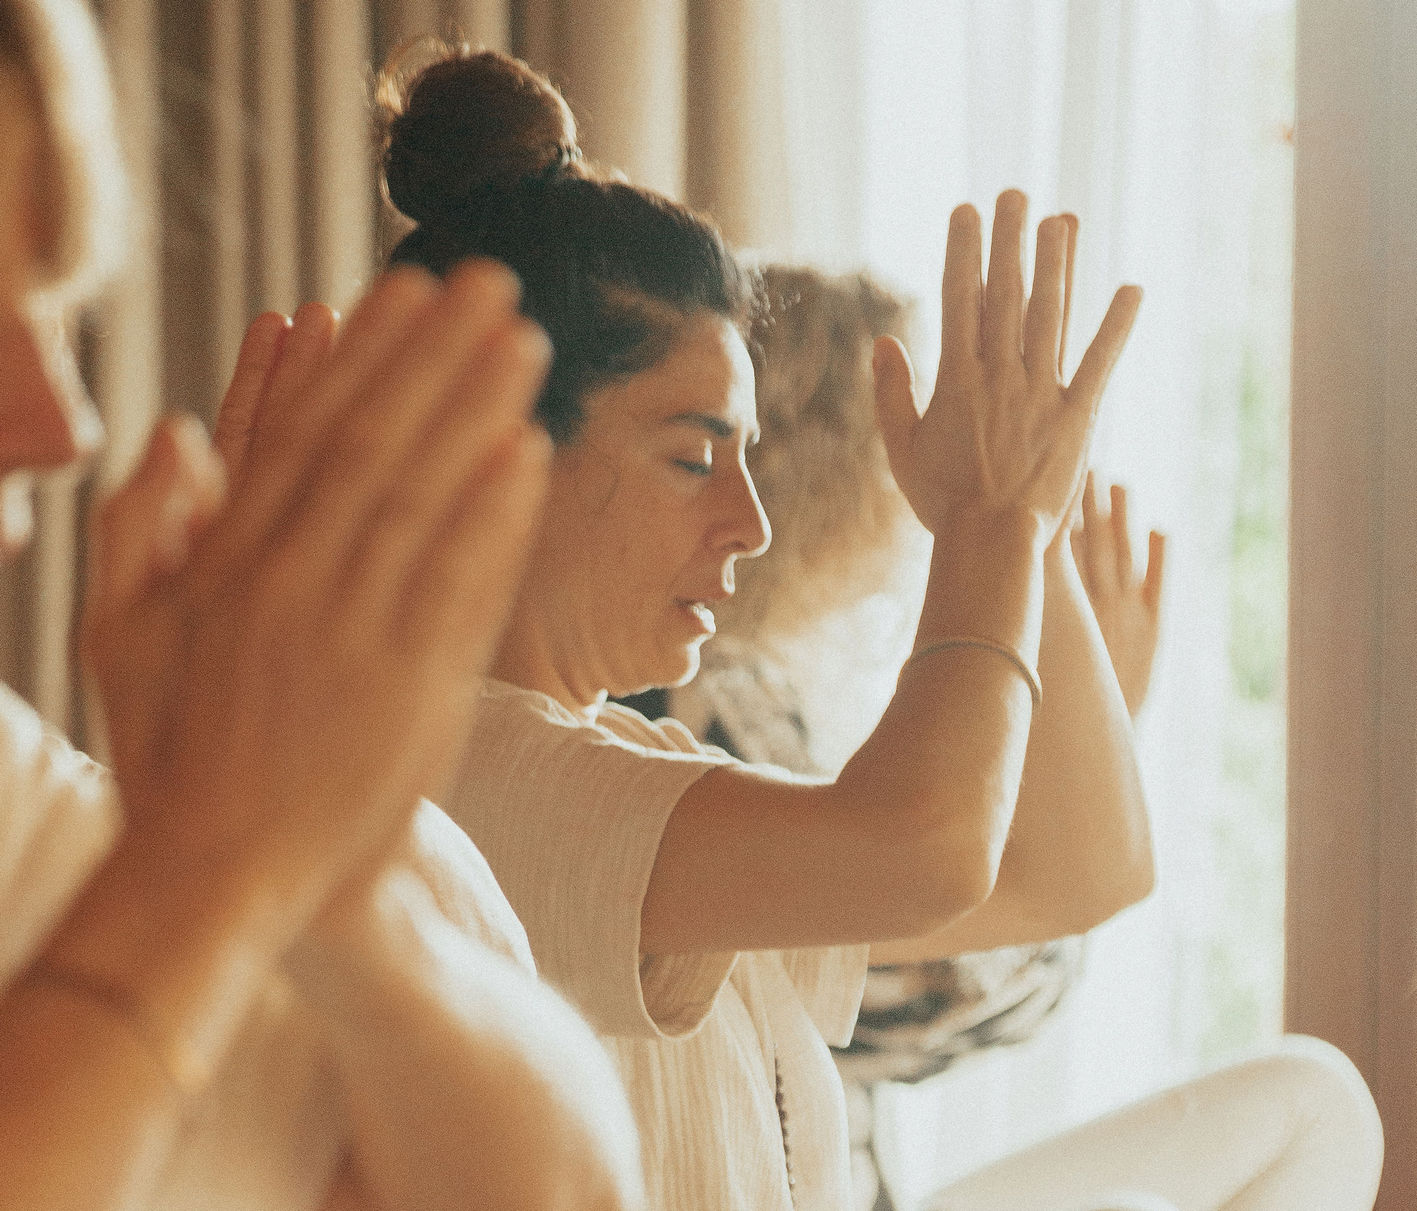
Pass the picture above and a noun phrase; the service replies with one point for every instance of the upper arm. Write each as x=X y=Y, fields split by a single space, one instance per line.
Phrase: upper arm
x=749 y=861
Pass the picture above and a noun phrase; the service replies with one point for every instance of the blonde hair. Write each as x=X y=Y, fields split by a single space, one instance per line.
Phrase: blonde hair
x=820 y=467
x=55 y=44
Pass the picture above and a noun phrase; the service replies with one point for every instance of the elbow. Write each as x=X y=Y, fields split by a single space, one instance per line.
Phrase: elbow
x=953 y=870
x=1101 y=898
x=1135 y=876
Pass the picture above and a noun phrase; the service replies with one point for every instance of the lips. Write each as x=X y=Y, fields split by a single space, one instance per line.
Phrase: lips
x=699 y=607
x=705 y=615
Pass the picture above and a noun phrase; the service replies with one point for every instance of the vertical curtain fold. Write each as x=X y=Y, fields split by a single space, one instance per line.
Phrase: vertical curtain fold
x=622 y=64
x=1352 y=936
x=228 y=210
x=340 y=186
x=275 y=247
x=737 y=171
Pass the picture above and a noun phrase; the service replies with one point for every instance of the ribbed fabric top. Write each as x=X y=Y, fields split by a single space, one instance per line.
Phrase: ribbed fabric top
x=724 y=1055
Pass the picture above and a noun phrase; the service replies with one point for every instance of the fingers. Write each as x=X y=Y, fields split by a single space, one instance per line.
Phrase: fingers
x=310 y=447
x=260 y=351
x=1155 y=571
x=1071 y=222
x=316 y=383
x=272 y=435
x=378 y=456
x=378 y=328
x=472 y=572
x=1101 y=356
x=1121 y=536
x=961 y=291
x=1042 y=333
x=1003 y=293
x=281 y=423
x=474 y=563
x=897 y=412
x=485 y=409
x=1099 y=553
x=146 y=527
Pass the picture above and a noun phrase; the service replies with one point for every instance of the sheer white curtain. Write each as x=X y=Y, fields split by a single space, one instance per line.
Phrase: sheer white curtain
x=1165 y=127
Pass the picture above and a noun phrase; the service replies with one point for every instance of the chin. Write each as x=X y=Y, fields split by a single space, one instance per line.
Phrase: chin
x=689 y=671
x=671 y=670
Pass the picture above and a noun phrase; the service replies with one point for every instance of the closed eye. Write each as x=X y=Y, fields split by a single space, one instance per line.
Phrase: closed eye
x=692 y=467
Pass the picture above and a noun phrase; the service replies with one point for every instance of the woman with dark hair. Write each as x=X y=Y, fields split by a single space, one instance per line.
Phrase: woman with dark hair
x=714 y=919
x=840 y=537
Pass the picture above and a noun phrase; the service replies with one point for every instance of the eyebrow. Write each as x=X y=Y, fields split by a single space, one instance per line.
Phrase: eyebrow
x=714 y=425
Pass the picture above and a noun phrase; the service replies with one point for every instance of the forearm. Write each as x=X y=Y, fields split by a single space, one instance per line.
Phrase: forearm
x=949 y=748
x=1080 y=846
x=1080 y=849
x=909 y=834
x=107 y=1034
x=462 y=1073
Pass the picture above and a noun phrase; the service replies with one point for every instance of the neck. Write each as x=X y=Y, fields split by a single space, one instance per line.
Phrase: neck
x=527 y=658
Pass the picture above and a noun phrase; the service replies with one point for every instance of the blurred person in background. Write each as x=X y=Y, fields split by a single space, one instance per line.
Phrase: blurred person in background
x=250 y=968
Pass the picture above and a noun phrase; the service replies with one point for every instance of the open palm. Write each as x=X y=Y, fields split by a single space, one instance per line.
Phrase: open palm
x=1002 y=431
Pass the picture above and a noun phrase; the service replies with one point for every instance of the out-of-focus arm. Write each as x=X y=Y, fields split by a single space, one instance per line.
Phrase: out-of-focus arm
x=106 y=1035
x=463 y=1072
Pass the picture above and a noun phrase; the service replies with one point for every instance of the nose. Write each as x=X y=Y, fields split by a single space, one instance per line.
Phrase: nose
x=745 y=529
x=45 y=422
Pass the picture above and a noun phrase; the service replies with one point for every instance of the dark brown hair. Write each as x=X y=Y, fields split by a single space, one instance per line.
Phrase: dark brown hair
x=481 y=152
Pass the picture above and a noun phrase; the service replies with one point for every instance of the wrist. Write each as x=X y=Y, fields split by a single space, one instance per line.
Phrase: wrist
x=986 y=581
x=1014 y=532
x=185 y=950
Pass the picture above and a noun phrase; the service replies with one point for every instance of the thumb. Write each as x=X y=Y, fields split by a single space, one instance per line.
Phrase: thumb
x=145 y=529
x=896 y=410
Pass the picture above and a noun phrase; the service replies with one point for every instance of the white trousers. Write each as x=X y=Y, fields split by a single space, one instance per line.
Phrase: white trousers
x=1293 y=1129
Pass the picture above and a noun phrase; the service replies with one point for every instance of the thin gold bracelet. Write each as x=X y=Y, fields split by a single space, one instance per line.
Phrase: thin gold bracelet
x=179 y=1059
x=1030 y=675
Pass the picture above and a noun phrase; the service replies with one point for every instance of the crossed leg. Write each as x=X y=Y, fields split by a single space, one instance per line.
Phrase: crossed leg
x=1294 y=1129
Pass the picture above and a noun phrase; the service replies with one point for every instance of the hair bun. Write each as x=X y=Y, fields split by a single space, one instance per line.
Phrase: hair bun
x=466 y=121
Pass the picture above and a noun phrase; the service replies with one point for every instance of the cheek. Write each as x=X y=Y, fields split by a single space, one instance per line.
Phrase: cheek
x=617 y=544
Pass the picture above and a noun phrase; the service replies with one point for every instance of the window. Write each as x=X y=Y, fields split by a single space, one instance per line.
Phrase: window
x=1167 y=128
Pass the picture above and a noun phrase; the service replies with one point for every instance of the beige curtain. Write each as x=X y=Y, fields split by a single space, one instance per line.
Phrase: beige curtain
x=1352 y=930
x=249 y=142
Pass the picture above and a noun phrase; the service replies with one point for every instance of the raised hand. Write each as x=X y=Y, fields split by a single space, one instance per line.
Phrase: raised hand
x=1002 y=432
x=1127 y=605
x=285 y=668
